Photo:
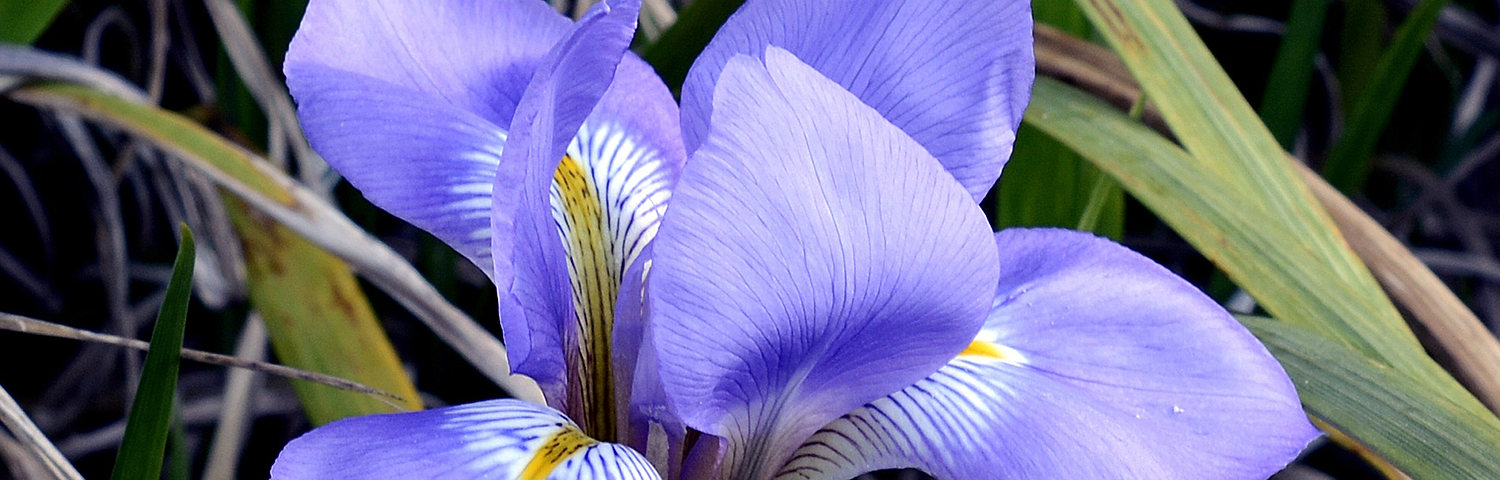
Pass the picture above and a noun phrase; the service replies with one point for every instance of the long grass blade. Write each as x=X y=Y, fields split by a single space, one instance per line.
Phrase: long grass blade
x=1047 y=184
x=17 y=323
x=1287 y=88
x=1348 y=163
x=1455 y=333
x=1170 y=182
x=28 y=435
x=1382 y=409
x=1286 y=252
x=319 y=319
x=145 y=443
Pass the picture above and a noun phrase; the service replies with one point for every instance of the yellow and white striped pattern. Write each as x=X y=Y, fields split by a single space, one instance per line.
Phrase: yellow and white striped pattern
x=529 y=442
x=609 y=193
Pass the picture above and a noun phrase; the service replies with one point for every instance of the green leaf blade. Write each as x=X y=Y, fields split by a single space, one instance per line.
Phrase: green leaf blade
x=1306 y=273
x=318 y=319
x=1291 y=74
x=145 y=442
x=316 y=312
x=1046 y=184
x=1348 y=163
x=1193 y=201
x=25 y=20
x=1424 y=436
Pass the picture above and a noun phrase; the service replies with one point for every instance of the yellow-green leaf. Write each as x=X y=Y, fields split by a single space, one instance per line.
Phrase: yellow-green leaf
x=1287 y=252
x=1382 y=409
x=1400 y=408
x=318 y=319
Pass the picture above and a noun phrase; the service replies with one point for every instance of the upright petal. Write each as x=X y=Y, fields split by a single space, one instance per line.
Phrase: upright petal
x=1094 y=363
x=493 y=439
x=954 y=74
x=553 y=264
x=814 y=258
x=408 y=100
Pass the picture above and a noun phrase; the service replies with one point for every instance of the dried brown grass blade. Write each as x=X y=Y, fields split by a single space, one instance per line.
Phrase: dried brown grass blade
x=27 y=434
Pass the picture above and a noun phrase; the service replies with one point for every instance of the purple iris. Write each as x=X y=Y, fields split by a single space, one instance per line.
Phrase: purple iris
x=790 y=278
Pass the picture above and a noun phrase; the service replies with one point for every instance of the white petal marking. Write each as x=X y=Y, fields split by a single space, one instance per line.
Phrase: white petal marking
x=951 y=404
x=607 y=200
x=529 y=442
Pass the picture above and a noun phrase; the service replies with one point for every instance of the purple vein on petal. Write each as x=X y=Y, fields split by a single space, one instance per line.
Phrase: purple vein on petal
x=556 y=289
x=1094 y=363
x=397 y=99
x=955 y=75
x=814 y=258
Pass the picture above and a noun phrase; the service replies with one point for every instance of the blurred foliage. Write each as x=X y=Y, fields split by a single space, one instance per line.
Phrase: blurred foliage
x=1348 y=163
x=24 y=20
x=1046 y=184
x=1291 y=77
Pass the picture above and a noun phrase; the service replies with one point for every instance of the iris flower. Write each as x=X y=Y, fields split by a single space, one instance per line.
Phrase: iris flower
x=790 y=277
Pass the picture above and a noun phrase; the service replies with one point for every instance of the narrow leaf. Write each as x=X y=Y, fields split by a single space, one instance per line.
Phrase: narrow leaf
x=1214 y=215
x=1360 y=42
x=1286 y=90
x=1348 y=163
x=25 y=20
x=318 y=317
x=1392 y=421
x=1064 y=15
x=1271 y=236
x=1382 y=409
x=272 y=193
x=145 y=442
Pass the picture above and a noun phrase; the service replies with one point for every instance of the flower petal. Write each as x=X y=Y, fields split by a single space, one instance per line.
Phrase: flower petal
x=568 y=184
x=814 y=259
x=397 y=99
x=493 y=439
x=1094 y=363
x=954 y=74
x=474 y=55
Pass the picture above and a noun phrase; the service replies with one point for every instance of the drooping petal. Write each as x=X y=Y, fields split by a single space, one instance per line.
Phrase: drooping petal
x=409 y=100
x=814 y=258
x=1094 y=363
x=493 y=439
x=954 y=74
x=571 y=179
